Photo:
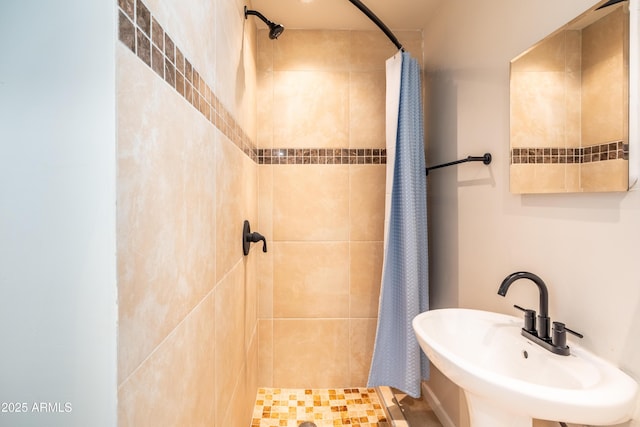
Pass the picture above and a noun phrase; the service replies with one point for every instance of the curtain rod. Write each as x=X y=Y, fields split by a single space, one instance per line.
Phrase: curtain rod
x=486 y=159
x=364 y=9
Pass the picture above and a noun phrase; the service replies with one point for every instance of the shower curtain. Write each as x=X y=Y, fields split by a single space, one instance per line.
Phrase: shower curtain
x=397 y=359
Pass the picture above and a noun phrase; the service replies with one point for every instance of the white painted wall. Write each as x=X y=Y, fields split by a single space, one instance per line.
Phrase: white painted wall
x=585 y=246
x=57 y=213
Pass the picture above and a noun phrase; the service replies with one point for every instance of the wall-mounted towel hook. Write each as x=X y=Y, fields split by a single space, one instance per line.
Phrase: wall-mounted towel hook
x=248 y=237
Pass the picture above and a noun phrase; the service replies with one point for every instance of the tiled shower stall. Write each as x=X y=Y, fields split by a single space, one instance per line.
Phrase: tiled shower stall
x=321 y=115
x=218 y=124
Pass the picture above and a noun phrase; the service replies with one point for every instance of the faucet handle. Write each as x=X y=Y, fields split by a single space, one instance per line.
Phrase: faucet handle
x=559 y=338
x=562 y=327
x=522 y=308
x=572 y=332
x=529 y=319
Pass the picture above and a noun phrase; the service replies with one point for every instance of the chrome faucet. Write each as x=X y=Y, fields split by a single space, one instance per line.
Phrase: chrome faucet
x=540 y=335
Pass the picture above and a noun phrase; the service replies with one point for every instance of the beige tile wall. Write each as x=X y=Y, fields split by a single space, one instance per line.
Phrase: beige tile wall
x=604 y=105
x=188 y=329
x=562 y=97
x=319 y=286
x=539 y=93
x=545 y=112
x=604 y=60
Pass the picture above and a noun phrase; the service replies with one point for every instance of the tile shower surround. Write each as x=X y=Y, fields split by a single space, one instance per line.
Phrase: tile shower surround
x=144 y=36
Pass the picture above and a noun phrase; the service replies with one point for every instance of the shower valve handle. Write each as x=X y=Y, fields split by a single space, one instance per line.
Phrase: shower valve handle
x=248 y=237
x=257 y=237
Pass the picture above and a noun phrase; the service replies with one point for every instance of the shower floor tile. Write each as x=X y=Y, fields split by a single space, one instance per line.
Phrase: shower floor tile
x=352 y=407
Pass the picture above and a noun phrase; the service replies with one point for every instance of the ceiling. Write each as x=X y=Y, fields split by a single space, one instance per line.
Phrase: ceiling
x=343 y=15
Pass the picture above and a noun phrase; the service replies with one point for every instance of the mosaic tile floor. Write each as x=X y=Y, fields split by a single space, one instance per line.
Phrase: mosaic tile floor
x=351 y=407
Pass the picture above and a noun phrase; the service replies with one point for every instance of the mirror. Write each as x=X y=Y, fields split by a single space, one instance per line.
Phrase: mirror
x=569 y=96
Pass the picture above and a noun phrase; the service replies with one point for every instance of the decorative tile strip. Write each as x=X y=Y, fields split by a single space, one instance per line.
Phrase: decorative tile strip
x=594 y=153
x=609 y=151
x=139 y=30
x=321 y=156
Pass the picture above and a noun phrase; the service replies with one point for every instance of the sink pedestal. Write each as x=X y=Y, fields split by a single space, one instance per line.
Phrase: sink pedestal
x=484 y=413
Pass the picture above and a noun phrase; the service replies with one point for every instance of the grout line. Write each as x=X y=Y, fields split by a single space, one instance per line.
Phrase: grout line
x=179 y=324
x=171 y=333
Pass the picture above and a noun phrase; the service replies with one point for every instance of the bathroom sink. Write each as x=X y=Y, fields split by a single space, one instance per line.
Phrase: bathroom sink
x=508 y=380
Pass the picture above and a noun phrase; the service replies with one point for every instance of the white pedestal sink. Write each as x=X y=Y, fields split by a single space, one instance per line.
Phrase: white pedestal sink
x=508 y=380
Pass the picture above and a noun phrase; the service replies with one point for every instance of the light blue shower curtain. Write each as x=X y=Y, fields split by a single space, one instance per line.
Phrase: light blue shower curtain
x=397 y=359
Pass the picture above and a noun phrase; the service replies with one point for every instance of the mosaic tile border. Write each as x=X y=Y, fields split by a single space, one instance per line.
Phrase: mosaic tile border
x=140 y=31
x=350 y=407
x=595 y=153
x=322 y=156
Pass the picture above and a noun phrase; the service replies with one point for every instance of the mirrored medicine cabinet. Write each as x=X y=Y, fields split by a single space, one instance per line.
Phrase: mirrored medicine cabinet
x=569 y=107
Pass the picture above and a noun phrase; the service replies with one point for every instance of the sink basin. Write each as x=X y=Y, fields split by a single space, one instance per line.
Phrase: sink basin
x=508 y=380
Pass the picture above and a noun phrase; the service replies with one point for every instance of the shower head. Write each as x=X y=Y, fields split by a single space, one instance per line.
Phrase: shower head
x=274 y=29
